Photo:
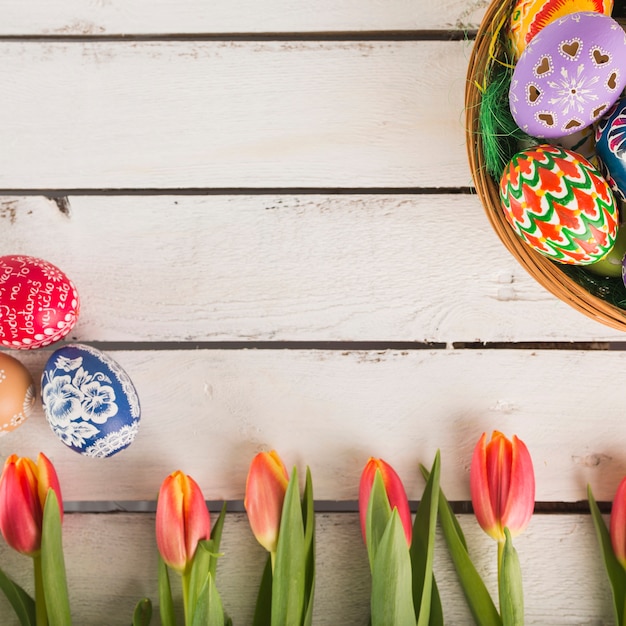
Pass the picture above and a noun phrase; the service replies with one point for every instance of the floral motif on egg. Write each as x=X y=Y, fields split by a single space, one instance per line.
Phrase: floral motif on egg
x=530 y=16
x=559 y=204
x=77 y=402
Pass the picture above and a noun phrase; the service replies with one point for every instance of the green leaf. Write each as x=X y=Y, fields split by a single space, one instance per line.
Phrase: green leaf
x=289 y=568
x=208 y=609
x=479 y=601
x=377 y=516
x=216 y=538
x=166 y=604
x=436 y=611
x=392 y=595
x=510 y=585
x=263 y=608
x=22 y=603
x=53 y=564
x=143 y=613
x=196 y=587
x=423 y=546
x=308 y=516
x=614 y=569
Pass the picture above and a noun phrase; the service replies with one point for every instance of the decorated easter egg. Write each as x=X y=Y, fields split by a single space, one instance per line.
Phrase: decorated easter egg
x=569 y=75
x=582 y=142
x=89 y=401
x=611 y=264
x=38 y=302
x=530 y=16
x=559 y=204
x=17 y=393
x=611 y=147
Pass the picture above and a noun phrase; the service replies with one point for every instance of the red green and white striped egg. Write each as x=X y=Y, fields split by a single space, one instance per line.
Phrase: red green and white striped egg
x=559 y=204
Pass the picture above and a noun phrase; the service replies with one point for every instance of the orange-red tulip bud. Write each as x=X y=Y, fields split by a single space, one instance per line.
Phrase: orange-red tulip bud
x=395 y=494
x=618 y=523
x=266 y=486
x=182 y=520
x=24 y=487
x=502 y=483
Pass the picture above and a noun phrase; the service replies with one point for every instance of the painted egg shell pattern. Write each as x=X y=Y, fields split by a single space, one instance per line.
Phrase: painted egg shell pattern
x=611 y=147
x=38 y=302
x=17 y=393
x=89 y=401
x=559 y=204
x=530 y=16
x=569 y=75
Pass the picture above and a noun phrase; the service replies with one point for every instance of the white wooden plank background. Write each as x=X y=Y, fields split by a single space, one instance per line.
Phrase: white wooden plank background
x=233 y=114
x=351 y=268
x=119 y=100
x=73 y=17
x=210 y=411
x=564 y=580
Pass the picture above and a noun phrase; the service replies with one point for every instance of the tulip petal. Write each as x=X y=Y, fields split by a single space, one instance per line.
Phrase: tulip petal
x=521 y=496
x=480 y=490
x=170 y=527
x=265 y=493
x=20 y=509
x=618 y=523
x=195 y=515
x=48 y=479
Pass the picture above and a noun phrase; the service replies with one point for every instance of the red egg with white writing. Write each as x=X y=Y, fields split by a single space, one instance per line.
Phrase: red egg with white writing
x=39 y=304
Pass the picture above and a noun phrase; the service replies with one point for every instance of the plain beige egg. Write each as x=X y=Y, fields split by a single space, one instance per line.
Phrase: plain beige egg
x=17 y=393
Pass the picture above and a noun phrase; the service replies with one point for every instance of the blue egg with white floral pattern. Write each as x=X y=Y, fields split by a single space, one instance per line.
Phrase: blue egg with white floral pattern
x=89 y=401
x=611 y=147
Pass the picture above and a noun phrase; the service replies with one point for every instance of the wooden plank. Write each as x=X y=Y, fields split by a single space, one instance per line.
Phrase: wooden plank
x=233 y=114
x=290 y=268
x=208 y=412
x=111 y=563
x=115 y=17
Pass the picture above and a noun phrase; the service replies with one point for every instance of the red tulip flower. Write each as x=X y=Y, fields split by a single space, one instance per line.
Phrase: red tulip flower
x=618 y=523
x=502 y=484
x=395 y=494
x=265 y=493
x=24 y=487
x=182 y=520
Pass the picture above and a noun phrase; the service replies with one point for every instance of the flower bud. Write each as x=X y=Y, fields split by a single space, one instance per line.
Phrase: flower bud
x=502 y=483
x=618 y=523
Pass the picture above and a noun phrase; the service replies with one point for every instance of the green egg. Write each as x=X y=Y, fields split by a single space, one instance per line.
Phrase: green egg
x=611 y=264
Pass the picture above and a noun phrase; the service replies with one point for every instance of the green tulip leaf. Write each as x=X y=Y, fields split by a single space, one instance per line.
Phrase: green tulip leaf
x=166 y=604
x=143 y=613
x=392 y=593
x=510 y=585
x=377 y=516
x=53 y=564
x=436 y=610
x=614 y=569
x=208 y=610
x=423 y=546
x=195 y=584
x=263 y=608
x=289 y=568
x=479 y=601
x=308 y=516
x=22 y=603
x=216 y=538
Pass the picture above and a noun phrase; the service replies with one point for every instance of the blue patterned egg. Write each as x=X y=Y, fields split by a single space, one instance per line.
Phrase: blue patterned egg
x=611 y=147
x=89 y=401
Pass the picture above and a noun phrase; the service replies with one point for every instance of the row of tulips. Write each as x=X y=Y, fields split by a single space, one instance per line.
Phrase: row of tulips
x=400 y=546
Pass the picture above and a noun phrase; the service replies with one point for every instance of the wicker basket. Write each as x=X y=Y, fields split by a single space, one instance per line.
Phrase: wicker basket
x=548 y=273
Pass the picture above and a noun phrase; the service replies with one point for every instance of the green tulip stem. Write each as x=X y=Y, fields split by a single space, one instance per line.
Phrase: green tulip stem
x=273 y=559
x=186 y=579
x=41 y=614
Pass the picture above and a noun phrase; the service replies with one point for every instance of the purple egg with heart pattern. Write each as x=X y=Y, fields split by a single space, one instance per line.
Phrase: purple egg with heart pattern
x=569 y=75
x=89 y=401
